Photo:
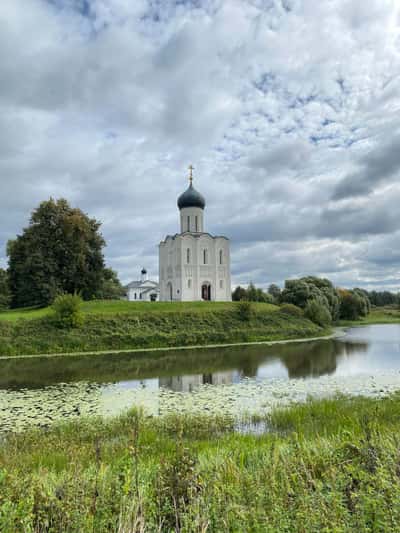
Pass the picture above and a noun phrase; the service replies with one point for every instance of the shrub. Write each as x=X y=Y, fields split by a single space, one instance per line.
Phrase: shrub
x=244 y=310
x=318 y=313
x=292 y=310
x=67 y=311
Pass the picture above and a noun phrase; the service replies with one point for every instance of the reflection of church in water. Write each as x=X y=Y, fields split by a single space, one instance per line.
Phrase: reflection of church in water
x=190 y=383
x=193 y=264
x=259 y=363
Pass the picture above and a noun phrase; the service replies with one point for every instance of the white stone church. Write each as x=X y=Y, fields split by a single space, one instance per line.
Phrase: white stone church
x=193 y=264
x=143 y=290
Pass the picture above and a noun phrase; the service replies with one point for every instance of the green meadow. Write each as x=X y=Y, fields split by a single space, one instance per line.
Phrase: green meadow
x=110 y=307
x=323 y=466
x=378 y=315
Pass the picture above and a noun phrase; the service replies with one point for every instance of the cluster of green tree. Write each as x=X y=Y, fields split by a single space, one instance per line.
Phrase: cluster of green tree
x=60 y=252
x=251 y=294
x=322 y=302
x=382 y=298
x=317 y=297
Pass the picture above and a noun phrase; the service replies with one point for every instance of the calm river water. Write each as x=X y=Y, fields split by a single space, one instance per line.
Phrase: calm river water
x=239 y=380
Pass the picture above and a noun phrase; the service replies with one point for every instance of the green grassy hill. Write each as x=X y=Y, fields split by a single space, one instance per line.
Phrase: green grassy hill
x=119 y=325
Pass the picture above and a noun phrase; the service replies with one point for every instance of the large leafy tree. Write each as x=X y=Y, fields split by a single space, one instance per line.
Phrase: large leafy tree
x=111 y=288
x=240 y=293
x=301 y=291
x=353 y=304
x=5 y=295
x=59 y=252
x=274 y=291
x=252 y=294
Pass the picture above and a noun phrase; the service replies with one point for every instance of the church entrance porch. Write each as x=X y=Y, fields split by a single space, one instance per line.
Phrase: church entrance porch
x=206 y=292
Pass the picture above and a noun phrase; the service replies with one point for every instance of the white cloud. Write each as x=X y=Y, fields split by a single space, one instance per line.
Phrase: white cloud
x=278 y=104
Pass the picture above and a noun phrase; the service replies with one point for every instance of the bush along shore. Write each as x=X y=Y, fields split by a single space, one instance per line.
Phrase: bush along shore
x=169 y=327
x=326 y=465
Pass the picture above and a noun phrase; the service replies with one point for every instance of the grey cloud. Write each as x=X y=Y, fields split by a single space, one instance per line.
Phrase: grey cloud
x=377 y=167
x=284 y=155
x=358 y=221
x=109 y=110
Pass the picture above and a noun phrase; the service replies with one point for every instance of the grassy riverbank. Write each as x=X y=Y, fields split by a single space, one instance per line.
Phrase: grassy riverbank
x=378 y=315
x=330 y=465
x=121 y=325
x=127 y=325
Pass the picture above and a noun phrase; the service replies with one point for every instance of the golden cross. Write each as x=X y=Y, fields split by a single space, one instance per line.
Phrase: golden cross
x=191 y=168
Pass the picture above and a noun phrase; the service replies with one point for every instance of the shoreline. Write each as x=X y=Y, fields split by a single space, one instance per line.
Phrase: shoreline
x=337 y=332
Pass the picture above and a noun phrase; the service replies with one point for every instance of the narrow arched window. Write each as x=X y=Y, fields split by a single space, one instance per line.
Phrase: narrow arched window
x=221 y=257
x=196 y=221
x=205 y=256
x=188 y=223
x=188 y=256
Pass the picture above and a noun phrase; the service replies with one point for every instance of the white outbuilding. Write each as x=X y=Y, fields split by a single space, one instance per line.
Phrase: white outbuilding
x=193 y=264
x=143 y=290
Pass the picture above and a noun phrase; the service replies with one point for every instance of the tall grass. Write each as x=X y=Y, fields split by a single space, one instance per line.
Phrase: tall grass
x=330 y=465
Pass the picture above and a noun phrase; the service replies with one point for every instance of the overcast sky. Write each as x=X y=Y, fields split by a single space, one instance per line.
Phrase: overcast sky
x=288 y=110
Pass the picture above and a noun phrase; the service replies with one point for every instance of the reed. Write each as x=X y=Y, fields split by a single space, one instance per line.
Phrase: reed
x=326 y=465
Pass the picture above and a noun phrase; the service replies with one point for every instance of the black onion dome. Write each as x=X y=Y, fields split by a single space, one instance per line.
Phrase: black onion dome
x=191 y=198
x=144 y=271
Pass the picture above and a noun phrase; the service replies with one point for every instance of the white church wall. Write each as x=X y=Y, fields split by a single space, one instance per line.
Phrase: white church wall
x=192 y=219
x=143 y=294
x=188 y=277
x=191 y=259
x=189 y=268
x=223 y=277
